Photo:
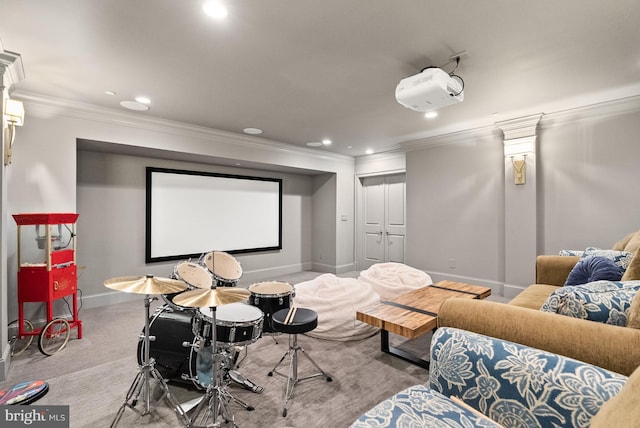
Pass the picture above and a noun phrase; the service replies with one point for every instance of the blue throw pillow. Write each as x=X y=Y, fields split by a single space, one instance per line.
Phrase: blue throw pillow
x=594 y=268
x=621 y=258
x=602 y=301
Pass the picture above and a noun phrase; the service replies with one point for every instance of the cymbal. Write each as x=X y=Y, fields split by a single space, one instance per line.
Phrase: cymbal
x=211 y=297
x=147 y=284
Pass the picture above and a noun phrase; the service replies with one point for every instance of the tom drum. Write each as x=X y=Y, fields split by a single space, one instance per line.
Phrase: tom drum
x=225 y=268
x=270 y=297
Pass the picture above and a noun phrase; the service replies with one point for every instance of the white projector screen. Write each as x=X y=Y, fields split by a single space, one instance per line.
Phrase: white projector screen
x=189 y=213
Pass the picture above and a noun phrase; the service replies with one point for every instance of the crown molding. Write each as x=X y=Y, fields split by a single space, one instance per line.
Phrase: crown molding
x=451 y=138
x=11 y=67
x=546 y=120
x=389 y=162
x=92 y=112
x=592 y=111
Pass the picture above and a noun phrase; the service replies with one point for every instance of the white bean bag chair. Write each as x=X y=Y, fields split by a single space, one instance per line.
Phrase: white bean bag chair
x=336 y=301
x=390 y=280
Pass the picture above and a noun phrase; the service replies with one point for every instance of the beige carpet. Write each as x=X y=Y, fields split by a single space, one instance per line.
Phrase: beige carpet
x=93 y=375
x=362 y=376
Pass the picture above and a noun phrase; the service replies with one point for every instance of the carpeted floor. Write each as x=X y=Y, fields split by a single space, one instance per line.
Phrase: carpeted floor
x=93 y=375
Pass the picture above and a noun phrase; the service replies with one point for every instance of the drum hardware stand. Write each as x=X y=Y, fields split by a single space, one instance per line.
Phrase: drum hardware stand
x=238 y=377
x=141 y=383
x=215 y=402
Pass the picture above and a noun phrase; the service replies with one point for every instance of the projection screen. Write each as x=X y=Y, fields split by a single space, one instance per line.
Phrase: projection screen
x=189 y=213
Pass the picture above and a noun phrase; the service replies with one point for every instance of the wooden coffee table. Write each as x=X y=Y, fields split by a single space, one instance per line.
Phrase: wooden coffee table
x=414 y=313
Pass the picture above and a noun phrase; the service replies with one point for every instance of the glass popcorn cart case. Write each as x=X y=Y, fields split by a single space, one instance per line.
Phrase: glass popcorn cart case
x=46 y=272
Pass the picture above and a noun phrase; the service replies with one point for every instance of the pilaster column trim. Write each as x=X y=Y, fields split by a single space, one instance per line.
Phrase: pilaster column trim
x=520 y=145
x=520 y=127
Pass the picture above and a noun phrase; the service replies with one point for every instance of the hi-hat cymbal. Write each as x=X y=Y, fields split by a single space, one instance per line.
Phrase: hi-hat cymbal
x=148 y=284
x=211 y=297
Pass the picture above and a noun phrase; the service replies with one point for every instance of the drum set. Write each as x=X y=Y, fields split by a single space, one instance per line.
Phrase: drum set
x=197 y=335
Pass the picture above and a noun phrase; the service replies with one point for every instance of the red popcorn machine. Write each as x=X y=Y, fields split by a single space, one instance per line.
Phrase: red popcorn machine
x=46 y=272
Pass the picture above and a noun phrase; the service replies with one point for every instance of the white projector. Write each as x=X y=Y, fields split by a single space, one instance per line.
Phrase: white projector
x=431 y=89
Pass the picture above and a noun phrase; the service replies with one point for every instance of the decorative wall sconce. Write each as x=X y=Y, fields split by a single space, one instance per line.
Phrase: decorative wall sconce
x=519 y=169
x=13 y=116
x=517 y=150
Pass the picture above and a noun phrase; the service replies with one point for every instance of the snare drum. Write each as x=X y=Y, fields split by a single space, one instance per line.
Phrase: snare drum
x=270 y=297
x=236 y=324
x=225 y=268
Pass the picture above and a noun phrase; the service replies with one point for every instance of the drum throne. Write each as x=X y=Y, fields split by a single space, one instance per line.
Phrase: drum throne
x=294 y=321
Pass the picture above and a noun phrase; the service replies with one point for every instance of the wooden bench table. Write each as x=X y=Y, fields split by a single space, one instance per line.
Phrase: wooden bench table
x=414 y=313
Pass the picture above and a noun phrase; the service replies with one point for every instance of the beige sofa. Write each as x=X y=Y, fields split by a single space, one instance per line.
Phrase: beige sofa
x=608 y=346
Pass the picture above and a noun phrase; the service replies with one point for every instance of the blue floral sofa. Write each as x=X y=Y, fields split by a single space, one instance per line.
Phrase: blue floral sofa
x=479 y=381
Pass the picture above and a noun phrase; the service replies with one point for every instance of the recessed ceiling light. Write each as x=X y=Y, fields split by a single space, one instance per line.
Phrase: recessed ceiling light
x=369 y=151
x=431 y=114
x=252 y=131
x=110 y=92
x=143 y=99
x=215 y=10
x=134 y=105
x=314 y=144
x=326 y=142
x=349 y=147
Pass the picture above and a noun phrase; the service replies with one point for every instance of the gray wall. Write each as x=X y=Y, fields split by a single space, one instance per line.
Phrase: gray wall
x=111 y=229
x=43 y=178
x=455 y=209
x=587 y=165
x=324 y=209
x=590 y=170
x=586 y=168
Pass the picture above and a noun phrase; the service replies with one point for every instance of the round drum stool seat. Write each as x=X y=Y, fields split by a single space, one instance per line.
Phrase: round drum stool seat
x=294 y=321
x=304 y=320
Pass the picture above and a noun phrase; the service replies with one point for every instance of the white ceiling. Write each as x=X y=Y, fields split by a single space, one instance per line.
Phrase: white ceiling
x=304 y=70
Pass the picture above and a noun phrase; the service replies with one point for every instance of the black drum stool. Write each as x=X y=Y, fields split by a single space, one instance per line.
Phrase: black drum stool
x=294 y=321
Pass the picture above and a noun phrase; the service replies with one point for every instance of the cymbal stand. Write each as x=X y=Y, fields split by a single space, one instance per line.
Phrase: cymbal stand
x=216 y=400
x=141 y=383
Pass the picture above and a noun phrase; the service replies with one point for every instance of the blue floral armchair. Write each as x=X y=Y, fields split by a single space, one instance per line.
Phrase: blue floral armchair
x=511 y=385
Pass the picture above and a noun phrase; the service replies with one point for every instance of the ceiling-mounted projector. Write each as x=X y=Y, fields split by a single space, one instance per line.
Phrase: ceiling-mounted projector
x=431 y=89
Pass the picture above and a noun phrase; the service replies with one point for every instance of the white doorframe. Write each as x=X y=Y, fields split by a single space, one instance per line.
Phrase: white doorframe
x=359 y=214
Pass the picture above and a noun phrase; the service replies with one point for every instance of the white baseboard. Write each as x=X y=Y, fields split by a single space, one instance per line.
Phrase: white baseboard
x=322 y=267
x=497 y=288
x=260 y=274
x=248 y=277
x=511 y=291
x=107 y=299
x=5 y=363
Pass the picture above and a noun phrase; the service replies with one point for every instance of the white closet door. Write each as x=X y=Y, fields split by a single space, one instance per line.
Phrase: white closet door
x=384 y=219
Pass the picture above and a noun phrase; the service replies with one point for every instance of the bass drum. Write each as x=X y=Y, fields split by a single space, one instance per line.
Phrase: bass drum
x=174 y=348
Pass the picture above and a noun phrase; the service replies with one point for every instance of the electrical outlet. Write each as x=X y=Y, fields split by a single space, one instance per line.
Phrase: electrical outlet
x=452 y=263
